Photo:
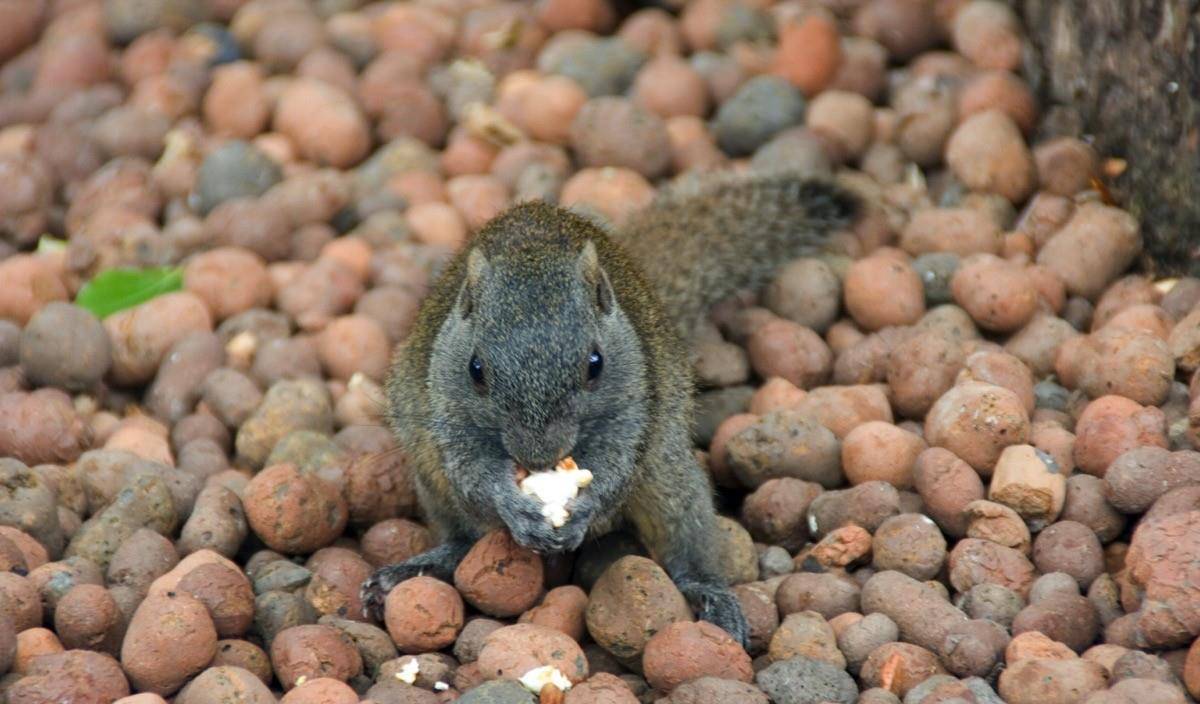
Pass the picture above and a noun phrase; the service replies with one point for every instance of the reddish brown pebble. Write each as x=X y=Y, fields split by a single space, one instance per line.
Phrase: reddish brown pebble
x=974 y=561
x=776 y=394
x=88 y=618
x=562 y=609
x=1037 y=681
x=669 y=87
x=1092 y=248
x=809 y=53
x=988 y=33
x=785 y=349
x=1066 y=165
x=423 y=614
x=842 y=546
x=614 y=192
x=324 y=122
x=294 y=512
x=1029 y=482
x=881 y=291
x=322 y=690
x=394 y=540
x=303 y=653
x=643 y=146
x=775 y=512
x=512 y=651
x=952 y=423
x=236 y=103
x=910 y=543
x=632 y=601
x=846 y=118
x=999 y=295
x=143 y=335
x=1160 y=549
x=684 y=651
x=354 y=344
x=997 y=523
x=1109 y=426
x=499 y=577
x=1034 y=644
x=1007 y=93
x=962 y=231
x=899 y=667
x=878 y=451
x=170 y=638
x=229 y=280
x=987 y=153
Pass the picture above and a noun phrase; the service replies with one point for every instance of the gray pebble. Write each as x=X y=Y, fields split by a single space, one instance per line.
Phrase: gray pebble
x=774 y=561
x=761 y=108
x=10 y=343
x=796 y=151
x=936 y=269
x=498 y=692
x=65 y=346
x=600 y=67
x=234 y=170
x=802 y=680
x=281 y=575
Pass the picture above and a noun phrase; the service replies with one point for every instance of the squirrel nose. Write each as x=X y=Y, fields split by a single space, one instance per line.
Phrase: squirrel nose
x=538 y=451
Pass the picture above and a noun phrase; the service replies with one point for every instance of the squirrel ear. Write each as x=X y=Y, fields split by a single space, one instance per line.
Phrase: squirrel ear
x=477 y=267
x=593 y=274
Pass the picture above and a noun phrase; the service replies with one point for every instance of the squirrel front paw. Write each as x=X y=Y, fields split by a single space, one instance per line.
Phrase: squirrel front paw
x=523 y=517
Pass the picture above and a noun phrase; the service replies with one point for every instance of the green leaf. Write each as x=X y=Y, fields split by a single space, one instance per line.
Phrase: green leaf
x=117 y=289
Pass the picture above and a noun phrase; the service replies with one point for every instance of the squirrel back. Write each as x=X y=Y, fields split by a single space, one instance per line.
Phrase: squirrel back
x=698 y=246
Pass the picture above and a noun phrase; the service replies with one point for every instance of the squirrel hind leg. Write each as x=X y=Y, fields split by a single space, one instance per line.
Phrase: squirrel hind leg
x=676 y=521
x=439 y=563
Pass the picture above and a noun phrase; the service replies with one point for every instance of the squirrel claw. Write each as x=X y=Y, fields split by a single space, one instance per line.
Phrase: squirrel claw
x=373 y=596
x=717 y=605
x=376 y=587
x=439 y=562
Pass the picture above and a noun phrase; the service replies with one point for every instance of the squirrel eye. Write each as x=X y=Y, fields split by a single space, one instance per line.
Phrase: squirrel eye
x=475 y=367
x=595 y=365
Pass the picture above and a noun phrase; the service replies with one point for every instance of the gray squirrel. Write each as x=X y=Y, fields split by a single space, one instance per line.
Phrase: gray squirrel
x=549 y=337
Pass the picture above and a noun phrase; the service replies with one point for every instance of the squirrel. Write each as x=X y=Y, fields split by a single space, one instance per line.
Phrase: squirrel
x=550 y=335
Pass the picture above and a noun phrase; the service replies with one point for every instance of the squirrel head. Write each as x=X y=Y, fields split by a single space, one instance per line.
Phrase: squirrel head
x=536 y=354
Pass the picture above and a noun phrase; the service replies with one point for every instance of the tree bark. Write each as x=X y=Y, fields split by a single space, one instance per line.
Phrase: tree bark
x=1126 y=74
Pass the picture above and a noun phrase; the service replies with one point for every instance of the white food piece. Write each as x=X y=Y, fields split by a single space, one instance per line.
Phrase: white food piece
x=539 y=677
x=440 y=686
x=555 y=488
x=408 y=673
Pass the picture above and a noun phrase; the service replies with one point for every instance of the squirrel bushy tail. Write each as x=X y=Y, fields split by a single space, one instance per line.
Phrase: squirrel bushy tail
x=699 y=246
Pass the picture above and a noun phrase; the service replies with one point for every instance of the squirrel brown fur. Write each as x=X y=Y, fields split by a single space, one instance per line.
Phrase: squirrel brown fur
x=548 y=336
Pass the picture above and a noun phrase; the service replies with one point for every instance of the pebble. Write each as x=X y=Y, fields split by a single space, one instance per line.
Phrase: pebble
x=801 y=680
x=642 y=145
x=988 y=154
x=323 y=122
x=600 y=66
x=761 y=108
x=65 y=346
x=809 y=53
x=235 y=170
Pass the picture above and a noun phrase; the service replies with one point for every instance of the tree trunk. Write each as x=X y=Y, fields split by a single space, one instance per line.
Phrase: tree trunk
x=1126 y=73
